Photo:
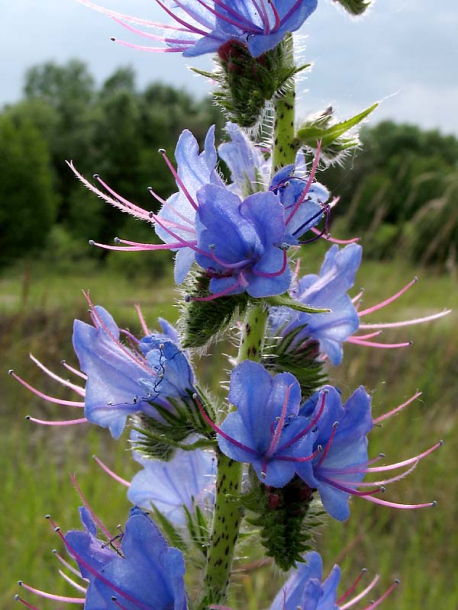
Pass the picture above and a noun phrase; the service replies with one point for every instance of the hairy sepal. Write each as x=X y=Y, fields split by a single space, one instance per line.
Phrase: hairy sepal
x=286 y=519
x=202 y=321
x=247 y=83
x=355 y=7
x=286 y=354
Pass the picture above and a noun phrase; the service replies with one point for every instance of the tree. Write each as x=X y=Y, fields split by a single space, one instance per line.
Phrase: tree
x=27 y=201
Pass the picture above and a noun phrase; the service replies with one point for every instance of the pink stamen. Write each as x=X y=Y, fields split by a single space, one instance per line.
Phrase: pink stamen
x=373 y=605
x=112 y=474
x=139 y=212
x=145 y=22
x=311 y=425
x=279 y=428
x=358 y=297
x=351 y=490
x=91 y=570
x=350 y=590
x=380 y=345
x=434 y=316
x=248 y=27
x=24 y=603
x=99 y=323
x=186 y=223
x=71 y=582
x=52 y=399
x=155 y=195
x=74 y=371
x=57 y=598
x=361 y=595
x=379 y=484
x=328 y=444
x=389 y=300
x=136 y=247
x=145 y=329
x=150 y=36
x=400 y=506
x=187 y=26
x=114 y=202
x=95 y=518
x=409 y=461
x=378 y=420
x=44 y=422
x=66 y=564
x=178 y=180
x=218 y=430
x=308 y=183
x=78 y=389
x=334 y=240
x=224 y=265
x=308 y=458
x=368 y=336
x=138 y=47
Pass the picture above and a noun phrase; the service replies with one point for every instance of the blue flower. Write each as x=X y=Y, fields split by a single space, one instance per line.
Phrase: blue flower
x=185 y=481
x=140 y=572
x=302 y=197
x=249 y=167
x=175 y=223
x=204 y=27
x=341 y=434
x=266 y=428
x=326 y=290
x=122 y=380
x=305 y=590
x=240 y=242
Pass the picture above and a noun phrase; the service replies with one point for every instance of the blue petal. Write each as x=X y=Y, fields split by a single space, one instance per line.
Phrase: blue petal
x=184 y=481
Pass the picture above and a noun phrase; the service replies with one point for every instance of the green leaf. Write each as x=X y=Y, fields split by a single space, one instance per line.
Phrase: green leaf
x=284 y=300
x=169 y=530
x=330 y=134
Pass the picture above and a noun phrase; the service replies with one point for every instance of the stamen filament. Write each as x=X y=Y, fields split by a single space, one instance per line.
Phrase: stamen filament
x=112 y=474
x=57 y=598
x=389 y=300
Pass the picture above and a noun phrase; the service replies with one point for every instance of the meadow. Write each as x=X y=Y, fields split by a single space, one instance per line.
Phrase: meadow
x=37 y=308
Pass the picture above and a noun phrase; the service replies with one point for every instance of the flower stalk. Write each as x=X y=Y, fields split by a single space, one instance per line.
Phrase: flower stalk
x=228 y=510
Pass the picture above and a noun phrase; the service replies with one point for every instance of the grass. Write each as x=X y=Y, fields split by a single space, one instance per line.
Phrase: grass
x=36 y=313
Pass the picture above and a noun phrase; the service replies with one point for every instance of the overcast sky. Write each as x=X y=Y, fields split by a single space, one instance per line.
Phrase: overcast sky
x=404 y=52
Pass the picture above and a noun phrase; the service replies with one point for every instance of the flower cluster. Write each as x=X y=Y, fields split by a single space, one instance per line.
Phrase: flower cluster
x=281 y=447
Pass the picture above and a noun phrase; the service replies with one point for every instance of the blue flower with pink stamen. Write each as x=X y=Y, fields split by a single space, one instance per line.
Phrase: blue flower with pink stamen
x=141 y=572
x=327 y=290
x=305 y=589
x=122 y=380
x=203 y=26
x=239 y=243
x=266 y=428
x=340 y=459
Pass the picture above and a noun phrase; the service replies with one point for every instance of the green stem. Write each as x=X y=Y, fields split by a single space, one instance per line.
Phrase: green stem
x=228 y=510
x=285 y=144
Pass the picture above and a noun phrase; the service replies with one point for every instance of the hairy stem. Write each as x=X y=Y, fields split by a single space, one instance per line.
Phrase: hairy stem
x=228 y=510
x=285 y=144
